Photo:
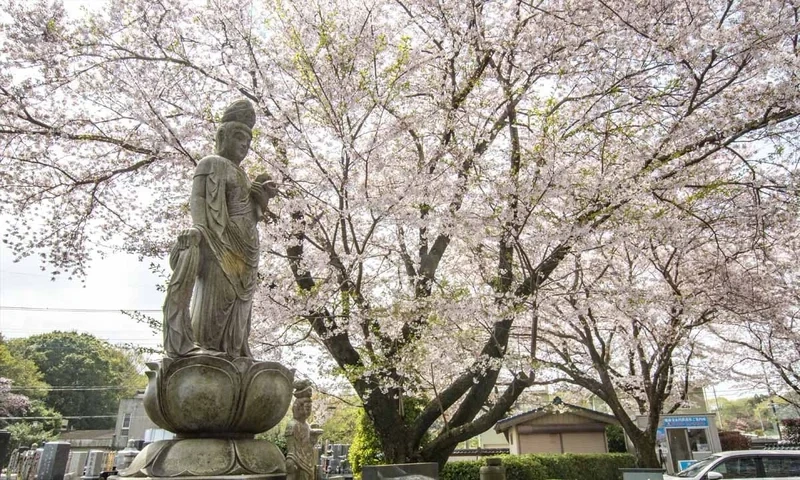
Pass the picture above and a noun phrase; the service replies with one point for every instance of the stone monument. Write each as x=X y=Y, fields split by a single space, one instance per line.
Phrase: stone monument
x=408 y=471
x=95 y=464
x=208 y=389
x=301 y=437
x=53 y=462
x=76 y=464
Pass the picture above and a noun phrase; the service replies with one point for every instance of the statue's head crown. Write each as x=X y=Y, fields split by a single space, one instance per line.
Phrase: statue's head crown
x=302 y=389
x=240 y=111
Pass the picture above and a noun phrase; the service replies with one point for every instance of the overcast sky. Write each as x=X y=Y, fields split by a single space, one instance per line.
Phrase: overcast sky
x=119 y=282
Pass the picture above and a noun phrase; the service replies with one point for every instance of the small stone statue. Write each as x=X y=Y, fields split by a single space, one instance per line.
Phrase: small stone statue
x=300 y=437
x=215 y=263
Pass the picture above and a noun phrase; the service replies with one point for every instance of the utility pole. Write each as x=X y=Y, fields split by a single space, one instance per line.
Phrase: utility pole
x=777 y=420
x=761 y=420
x=716 y=401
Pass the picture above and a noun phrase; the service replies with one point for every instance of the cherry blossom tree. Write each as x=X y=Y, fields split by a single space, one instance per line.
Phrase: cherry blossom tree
x=627 y=325
x=440 y=163
x=11 y=403
x=633 y=321
x=762 y=339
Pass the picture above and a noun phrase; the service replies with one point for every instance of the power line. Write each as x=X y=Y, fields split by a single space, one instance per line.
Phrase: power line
x=110 y=339
x=70 y=417
x=71 y=389
x=55 y=418
x=74 y=310
x=67 y=387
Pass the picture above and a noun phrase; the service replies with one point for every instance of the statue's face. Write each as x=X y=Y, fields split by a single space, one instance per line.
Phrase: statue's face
x=235 y=143
x=302 y=409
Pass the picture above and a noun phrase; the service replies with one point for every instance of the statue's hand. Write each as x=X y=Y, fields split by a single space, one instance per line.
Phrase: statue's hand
x=264 y=187
x=189 y=238
x=290 y=466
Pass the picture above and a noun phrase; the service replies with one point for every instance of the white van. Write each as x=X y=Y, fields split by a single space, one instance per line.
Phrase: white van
x=764 y=464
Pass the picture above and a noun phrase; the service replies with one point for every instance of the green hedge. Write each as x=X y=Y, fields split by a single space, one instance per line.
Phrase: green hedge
x=569 y=466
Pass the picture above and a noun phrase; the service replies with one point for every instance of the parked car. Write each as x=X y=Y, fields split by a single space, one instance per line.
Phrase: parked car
x=764 y=464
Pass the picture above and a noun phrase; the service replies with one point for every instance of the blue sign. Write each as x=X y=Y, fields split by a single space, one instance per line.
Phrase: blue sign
x=684 y=464
x=661 y=433
x=677 y=422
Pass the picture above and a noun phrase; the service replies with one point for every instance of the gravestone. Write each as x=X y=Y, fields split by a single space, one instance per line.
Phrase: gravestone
x=125 y=456
x=5 y=440
x=335 y=459
x=76 y=464
x=95 y=463
x=405 y=470
x=53 y=462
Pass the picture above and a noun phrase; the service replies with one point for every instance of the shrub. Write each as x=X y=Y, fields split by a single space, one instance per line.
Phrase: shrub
x=524 y=467
x=733 y=441
x=466 y=470
x=573 y=466
x=616 y=439
x=791 y=429
x=366 y=446
x=569 y=466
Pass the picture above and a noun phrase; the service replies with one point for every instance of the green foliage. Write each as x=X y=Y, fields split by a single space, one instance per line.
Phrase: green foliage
x=524 y=467
x=600 y=466
x=569 y=466
x=747 y=414
x=461 y=470
x=26 y=432
x=366 y=447
x=277 y=434
x=616 y=439
x=22 y=373
x=341 y=426
x=71 y=359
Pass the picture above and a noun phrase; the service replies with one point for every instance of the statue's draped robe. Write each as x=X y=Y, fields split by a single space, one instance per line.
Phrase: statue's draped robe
x=300 y=450
x=227 y=274
x=184 y=260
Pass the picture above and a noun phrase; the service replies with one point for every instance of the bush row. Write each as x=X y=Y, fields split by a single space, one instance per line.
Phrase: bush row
x=569 y=466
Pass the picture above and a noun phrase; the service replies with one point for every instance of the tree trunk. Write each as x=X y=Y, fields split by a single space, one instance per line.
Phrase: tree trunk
x=644 y=444
x=394 y=447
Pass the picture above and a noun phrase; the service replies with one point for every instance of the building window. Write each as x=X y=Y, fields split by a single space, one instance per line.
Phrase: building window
x=126 y=425
x=698 y=441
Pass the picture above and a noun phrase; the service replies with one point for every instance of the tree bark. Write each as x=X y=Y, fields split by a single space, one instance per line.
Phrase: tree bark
x=644 y=444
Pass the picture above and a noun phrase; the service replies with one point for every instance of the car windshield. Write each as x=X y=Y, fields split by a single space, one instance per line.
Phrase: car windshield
x=695 y=468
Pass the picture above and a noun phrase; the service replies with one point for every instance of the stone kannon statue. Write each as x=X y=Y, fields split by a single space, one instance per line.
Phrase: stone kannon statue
x=208 y=389
x=300 y=437
x=215 y=263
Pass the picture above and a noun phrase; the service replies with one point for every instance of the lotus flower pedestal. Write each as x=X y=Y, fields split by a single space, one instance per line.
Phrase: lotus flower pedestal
x=215 y=406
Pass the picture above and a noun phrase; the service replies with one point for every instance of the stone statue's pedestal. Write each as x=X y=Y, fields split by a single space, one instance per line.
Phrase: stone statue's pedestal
x=280 y=476
x=215 y=406
x=209 y=458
